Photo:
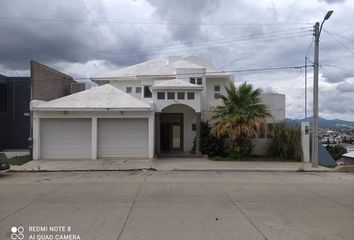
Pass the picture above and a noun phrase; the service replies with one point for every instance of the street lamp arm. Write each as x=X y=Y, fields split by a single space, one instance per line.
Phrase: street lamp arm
x=328 y=15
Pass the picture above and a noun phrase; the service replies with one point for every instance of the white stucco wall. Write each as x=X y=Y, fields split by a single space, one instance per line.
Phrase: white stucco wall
x=188 y=120
x=122 y=85
x=276 y=106
x=210 y=103
x=163 y=103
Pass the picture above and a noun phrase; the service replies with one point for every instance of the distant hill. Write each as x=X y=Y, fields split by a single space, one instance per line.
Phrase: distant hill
x=323 y=122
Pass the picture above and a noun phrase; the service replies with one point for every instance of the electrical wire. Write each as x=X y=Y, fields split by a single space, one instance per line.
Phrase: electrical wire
x=341 y=36
x=339 y=67
x=233 y=38
x=233 y=42
x=210 y=72
x=339 y=42
x=167 y=50
x=57 y=20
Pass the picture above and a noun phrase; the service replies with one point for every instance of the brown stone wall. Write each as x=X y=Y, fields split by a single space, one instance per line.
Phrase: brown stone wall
x=47 y=83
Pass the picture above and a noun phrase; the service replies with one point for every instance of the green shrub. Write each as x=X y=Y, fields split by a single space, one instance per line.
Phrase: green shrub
x=209 y=144
x=240 y=149
x=286 y=142
x=336 y=151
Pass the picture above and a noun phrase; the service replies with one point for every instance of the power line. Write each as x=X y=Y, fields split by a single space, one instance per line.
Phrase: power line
x=231 y=38
x=236 y=38
x=337 y=34
x=233 y=42
x=58 y=20
x=339 y=42
x=210 y=72
x=225 y=71
x=309 y=48
x=179 y=49
x=339 y=67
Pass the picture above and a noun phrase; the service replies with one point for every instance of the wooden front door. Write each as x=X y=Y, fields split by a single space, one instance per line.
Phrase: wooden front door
x=171 y=132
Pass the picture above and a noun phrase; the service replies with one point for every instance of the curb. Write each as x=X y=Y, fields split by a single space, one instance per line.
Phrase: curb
x=184 y=170
x=87 y=170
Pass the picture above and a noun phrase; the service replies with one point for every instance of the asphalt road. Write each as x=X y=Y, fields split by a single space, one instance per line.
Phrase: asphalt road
x=177 y=205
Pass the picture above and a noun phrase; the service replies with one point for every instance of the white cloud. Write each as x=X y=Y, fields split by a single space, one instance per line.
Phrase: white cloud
x=85 y=48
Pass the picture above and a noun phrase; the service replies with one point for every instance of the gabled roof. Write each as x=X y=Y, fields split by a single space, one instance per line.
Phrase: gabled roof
x=97 y=98
x=157 y=67
x=175 y=84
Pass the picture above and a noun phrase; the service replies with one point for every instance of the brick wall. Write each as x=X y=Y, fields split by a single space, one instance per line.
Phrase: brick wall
x=47 y=83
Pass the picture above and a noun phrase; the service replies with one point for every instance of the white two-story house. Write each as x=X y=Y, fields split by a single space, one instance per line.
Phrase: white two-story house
x=154 y=108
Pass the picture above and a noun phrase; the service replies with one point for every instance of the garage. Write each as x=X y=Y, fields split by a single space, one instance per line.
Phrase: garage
x=101 y=122
x=125 y=137
x=65 y=138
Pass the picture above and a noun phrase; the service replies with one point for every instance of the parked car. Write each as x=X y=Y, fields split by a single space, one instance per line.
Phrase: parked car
x=4 y=162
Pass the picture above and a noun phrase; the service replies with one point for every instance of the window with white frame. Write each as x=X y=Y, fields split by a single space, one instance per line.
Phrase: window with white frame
x=199 y=81
x=160 y=95
x=180 y=95
x=128 y=89
x=192 y=80
x=190 y=95
x=147 y=92
x=170 y=95
x=217 y=91
x=138 y=90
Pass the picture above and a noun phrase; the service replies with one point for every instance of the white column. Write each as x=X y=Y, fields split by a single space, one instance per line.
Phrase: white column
x=305 y=141
x=36 y=137
x=94 y=138
x=151 y=135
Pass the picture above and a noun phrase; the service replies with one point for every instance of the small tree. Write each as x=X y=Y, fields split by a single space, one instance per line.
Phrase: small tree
x=240 y=116
x=336 y=151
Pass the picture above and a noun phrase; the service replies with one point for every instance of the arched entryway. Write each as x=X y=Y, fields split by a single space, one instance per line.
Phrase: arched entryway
x=176 y=129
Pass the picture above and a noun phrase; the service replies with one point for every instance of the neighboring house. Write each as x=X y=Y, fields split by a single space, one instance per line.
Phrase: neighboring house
x=146 y=110
x=348 y=158
x=45 y=83
x=14 y=112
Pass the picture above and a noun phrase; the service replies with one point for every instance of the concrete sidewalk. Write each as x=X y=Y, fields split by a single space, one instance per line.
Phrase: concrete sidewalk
x=168 y=164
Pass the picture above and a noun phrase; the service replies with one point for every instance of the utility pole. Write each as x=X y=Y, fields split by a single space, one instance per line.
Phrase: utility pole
x=315 y=97
x=317 y=33
x=306 y=87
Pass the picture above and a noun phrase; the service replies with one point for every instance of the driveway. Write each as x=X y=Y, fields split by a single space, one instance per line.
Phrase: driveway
x=177 y=205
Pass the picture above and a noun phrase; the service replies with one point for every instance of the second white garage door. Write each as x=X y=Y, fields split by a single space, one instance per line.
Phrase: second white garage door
x=122 y=138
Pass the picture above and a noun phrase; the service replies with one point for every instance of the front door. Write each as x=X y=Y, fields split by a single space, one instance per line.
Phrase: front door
x=171 y=132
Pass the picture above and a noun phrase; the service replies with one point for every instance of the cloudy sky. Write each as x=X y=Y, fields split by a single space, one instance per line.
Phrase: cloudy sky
x=87 y=37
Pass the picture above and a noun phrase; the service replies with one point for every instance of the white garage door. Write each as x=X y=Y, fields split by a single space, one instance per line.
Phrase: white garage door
x=65 y=138
x=122 y=138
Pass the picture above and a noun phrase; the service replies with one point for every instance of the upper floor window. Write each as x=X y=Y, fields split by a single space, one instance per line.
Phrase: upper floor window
x=192 y=80
x=217 y=91
x=138 y=90
x=128 y=89
x=3 y=98
x=160 y=95
x=199 y=81
x=147 y=92
x=180 y=95
x=170 y=95
x=190 y=95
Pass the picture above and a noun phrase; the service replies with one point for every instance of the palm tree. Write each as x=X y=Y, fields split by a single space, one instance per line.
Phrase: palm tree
x=241 y=115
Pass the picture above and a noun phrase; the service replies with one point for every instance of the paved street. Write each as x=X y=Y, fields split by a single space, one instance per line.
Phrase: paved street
x=178 y=205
